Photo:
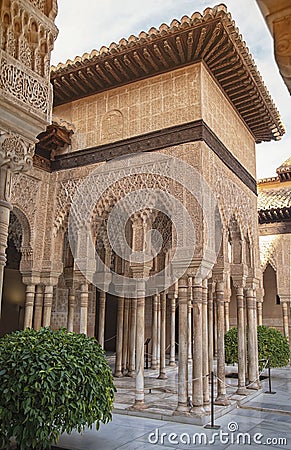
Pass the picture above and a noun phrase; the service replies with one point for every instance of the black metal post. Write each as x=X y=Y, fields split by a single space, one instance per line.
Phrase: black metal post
x=147 y=353
x=269 y=376
x=212 y=425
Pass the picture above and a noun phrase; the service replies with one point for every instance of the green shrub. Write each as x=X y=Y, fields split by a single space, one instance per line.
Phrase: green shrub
x=51 y=382
x=270 y=343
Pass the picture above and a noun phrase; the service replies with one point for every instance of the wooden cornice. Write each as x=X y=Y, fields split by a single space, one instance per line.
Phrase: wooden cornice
x=156 y=140
x=274 y=215
x=212 y=38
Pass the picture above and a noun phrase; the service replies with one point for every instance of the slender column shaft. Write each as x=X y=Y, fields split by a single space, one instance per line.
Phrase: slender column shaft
x=197 y=372
x=215 y=325
x=241 y=342
x=47 y=305
x=139 y=379
x=205 y=347
x=190 y=339
x=252 y=341
x=260 y=313
x=285 y=319
x=132 y=337
x=29 y=304
x=183 y=344
x=125 y=335
x=38 y=305
x=221 y=389
x=226 y=315
x=172 y=335
x=101 y=327
x=119 y=336
x=163 y=301
x=84 y=308
x=5 y=208
x=210 y=327
x=154 y=362
x=71 y=310
x=159 y=331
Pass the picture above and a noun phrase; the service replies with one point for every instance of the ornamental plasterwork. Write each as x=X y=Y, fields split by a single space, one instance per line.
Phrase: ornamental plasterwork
x=233 y=200
x=25 y=87
x=15 y=153
x=25 y=191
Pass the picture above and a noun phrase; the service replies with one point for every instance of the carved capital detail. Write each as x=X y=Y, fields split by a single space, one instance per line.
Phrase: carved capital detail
x=15 y=154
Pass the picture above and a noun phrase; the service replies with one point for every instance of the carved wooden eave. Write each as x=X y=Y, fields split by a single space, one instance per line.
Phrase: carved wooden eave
x=54 y=140
x=212 y=38
x=284 y=171
x=274 y=202
x=277 y=14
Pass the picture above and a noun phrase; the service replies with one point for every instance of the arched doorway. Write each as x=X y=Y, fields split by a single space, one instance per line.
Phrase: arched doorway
x=13 y=297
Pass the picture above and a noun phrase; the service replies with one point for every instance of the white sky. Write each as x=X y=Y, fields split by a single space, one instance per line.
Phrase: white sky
x=88 y=24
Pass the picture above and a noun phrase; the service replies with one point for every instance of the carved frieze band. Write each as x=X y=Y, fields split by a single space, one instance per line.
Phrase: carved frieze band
x=181 y=134
x=24 y=87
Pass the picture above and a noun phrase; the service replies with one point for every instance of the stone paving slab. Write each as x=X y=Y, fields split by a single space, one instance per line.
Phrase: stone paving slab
x=138 y=433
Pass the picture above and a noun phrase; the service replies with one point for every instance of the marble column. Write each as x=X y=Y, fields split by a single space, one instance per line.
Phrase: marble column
x=260 y=313
x=119 y=337
x=159 y=331
x=285 y=319
x=241 y=334
x=5 y=208
x=210 y=324
x=47 y=305
x=132 y=337
x=253 y=373
x=84 y=308
x=197 y=371
x=154 y=361
x=38 y=306
x=71 y=309
x=205 y=347
x=139 y=379
x=190 y=336
x=163 y=303
x=226 y=315
x=173 y=330
x=101 y=325
x=125 y=336
x=221 y=398
x=214 y=324
x=183 y=346
x=29 y=305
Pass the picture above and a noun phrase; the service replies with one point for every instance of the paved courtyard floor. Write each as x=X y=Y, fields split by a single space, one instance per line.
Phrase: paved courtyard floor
x=261 y=419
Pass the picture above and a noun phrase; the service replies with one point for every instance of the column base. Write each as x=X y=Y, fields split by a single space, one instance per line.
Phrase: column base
x=162 y=376
x=254 y=386
x=172 y=364
x=222 y=400
x=154 y=366
x=137 y=406
x=131 y=374
x=118 y=374
x=197 y=411
x=182 y=410
x=242 y=391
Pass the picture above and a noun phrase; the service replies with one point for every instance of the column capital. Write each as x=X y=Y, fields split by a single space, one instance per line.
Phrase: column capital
x=16 y=153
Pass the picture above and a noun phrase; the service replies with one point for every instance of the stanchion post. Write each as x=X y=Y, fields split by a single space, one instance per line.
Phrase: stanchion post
x=212 y=425
x=269 y=376
x=147 y=352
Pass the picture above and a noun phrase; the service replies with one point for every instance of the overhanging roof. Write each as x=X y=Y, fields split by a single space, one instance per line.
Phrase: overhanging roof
x=211 y=37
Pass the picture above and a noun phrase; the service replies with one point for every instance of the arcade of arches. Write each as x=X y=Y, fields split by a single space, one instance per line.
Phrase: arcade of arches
x=189 y=91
